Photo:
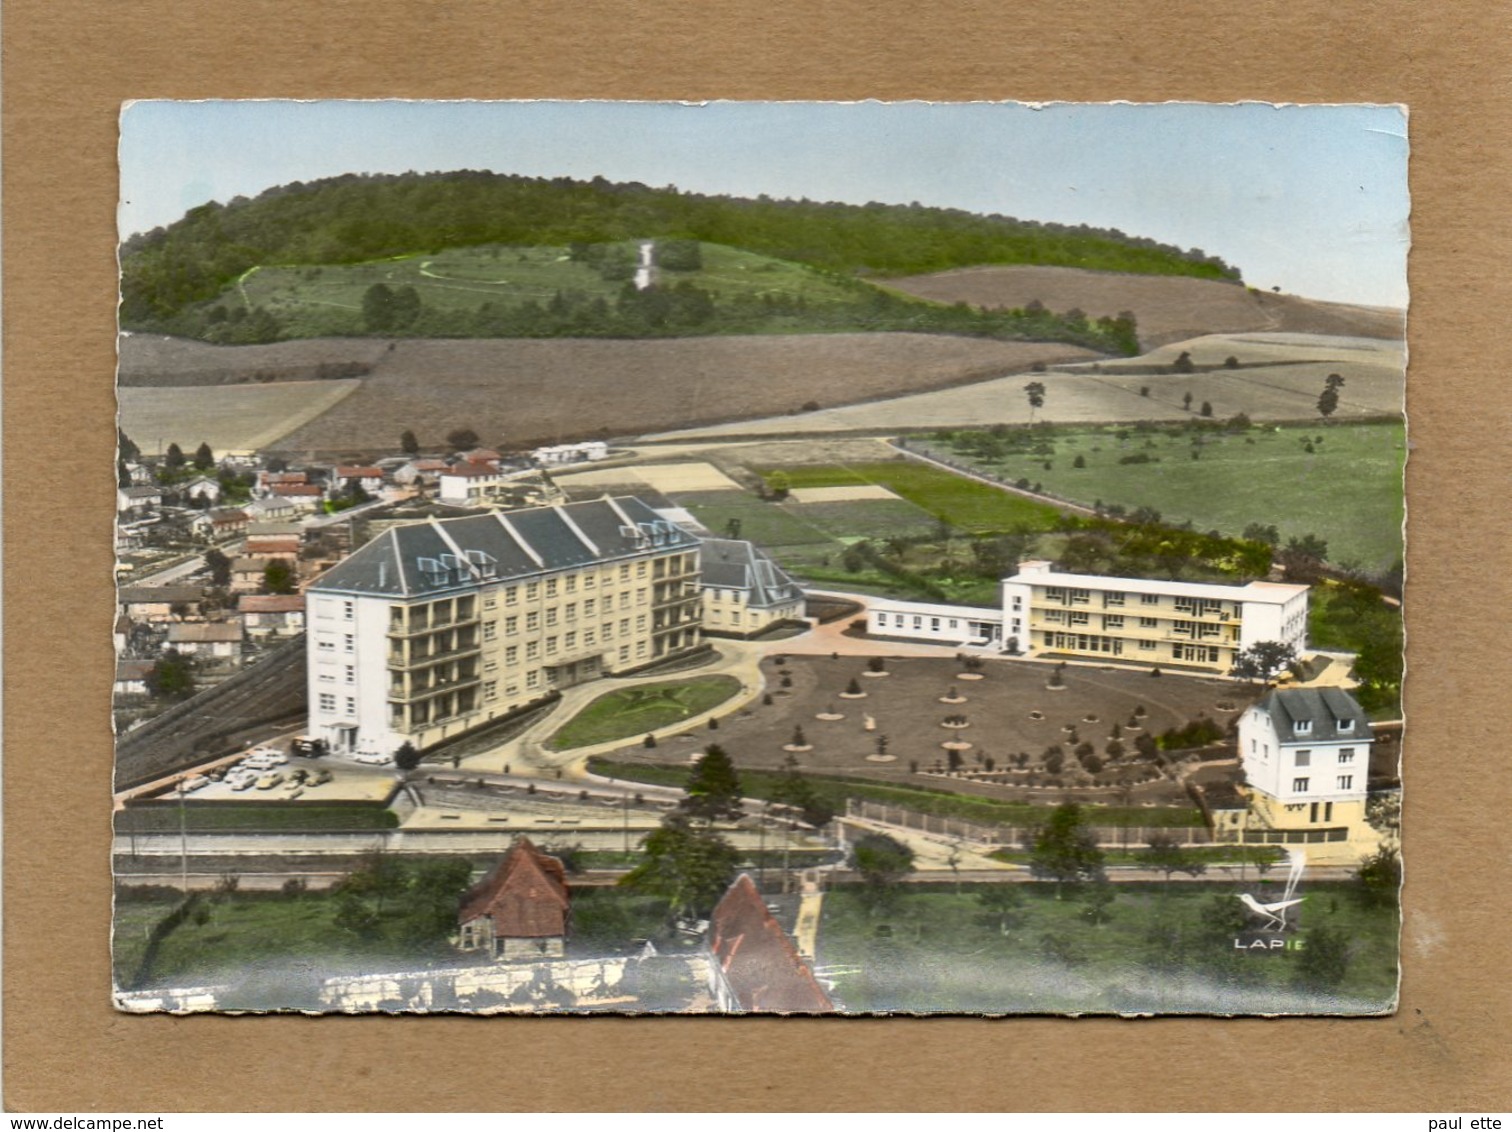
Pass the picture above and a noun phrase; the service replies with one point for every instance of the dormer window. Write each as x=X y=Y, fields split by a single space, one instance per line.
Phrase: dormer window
x=1303 y=727
x=1345 y=725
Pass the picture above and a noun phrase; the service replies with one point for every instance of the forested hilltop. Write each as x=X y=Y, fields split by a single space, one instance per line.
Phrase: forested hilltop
x=173 y=278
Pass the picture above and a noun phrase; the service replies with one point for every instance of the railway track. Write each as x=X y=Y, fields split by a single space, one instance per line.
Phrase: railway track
x=261 y=700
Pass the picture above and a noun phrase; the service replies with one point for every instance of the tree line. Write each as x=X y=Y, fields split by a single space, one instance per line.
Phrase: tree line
x=359 y=217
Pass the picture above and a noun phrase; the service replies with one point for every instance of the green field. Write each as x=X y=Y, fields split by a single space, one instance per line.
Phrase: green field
x=976 y=508
x=1347 y=490
x=635 y=711
x=936 y=951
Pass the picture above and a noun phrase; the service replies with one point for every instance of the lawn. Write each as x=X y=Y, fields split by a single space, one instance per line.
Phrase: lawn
x=1341 y=482
x=970 y=506
x=259 y=933
x=939 y=951
x=259 y=817
x=636 y=711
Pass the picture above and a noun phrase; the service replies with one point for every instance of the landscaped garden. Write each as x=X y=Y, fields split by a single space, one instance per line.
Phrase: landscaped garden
x=989 y=745
x=642 y=709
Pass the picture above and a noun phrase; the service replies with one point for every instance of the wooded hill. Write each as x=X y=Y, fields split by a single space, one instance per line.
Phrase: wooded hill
x=358 y=217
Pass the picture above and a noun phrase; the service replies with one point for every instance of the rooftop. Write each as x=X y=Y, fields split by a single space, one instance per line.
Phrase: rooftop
x=1270 y=593
x=1321 y=709
x=737 y=564
x=760 y=963
x=525 y=895
x=439 y=555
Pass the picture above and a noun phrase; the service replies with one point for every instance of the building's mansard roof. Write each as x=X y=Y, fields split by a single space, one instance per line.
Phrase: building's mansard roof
x=735 y=564
x=444 y=555
x=1323 y=708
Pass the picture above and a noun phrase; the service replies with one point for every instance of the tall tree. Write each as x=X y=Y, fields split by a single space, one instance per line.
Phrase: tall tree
x=219 y=566
x=883 y=862
x=1167 y=855
x=409 y=444
x=126 y=447
x=460 y=439
x=793 y=789
x=688 y=866
x=713 y=787
x=1263 y=661
x=204 y=458
x=1035 y=391
x=171 y=677
x=1064 y=850
x=278 y=577
x=173 y=459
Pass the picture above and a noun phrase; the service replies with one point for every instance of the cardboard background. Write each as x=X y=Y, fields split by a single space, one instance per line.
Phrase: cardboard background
x=66 y=67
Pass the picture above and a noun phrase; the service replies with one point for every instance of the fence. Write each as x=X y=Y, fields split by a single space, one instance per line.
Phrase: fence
x=1109 y=836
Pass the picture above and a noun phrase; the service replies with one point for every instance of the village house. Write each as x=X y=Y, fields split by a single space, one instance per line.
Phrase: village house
x=520 y=910
x=161 y=603
x=267 y=481
x=554 y=455
x=201 y=491
x=271 y=508
x=272 y=615
x=305 y=497
x=219 y=523
x=221 y=639
x=138 y=498
x=754 y=967
x=131 y=677
x=247 y=574
x=368 y=478
x=420 y=472
x=482 y=457
x=472 y=485
x=744 y=591
x=272 y=545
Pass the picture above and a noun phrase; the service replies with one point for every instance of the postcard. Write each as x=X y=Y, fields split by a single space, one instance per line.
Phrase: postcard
x=800 y=558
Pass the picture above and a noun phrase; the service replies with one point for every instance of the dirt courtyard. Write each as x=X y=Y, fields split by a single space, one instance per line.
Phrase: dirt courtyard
x=905 y=706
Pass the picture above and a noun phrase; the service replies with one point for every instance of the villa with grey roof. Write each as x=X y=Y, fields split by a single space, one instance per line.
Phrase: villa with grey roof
x=437 y=628
x=744 y=591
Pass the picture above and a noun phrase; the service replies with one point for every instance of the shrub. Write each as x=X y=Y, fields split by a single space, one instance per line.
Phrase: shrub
x=1155 y=671
x=853 y=688
x=877 y=664
x=649 y=741
x=1079 y=462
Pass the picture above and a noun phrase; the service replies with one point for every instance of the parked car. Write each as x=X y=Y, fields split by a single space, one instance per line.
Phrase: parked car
x=319 y=777
x=195 y=782
x=242 y=780
x=257 y=761
x=268 y=781
x=307 y=747
x=372 y=758
x=266 y=751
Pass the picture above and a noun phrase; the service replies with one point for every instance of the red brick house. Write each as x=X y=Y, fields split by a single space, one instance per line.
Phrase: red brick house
x=754 y=968
x=520 y=910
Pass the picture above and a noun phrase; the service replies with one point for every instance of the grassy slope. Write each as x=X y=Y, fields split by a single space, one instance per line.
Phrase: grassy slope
x=1348 y=490
x=327 y=299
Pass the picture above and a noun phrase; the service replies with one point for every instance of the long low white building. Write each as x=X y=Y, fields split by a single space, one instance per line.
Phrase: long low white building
x=1142 y=620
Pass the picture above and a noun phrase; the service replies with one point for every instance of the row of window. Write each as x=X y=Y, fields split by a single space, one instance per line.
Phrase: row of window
x=328 y=644
x=536 y=619
x=1300 y=785
x=327 y=702
x=900 y=621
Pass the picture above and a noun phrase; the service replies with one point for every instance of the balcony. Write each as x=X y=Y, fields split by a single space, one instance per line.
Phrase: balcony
x=397 y=660
x=432 y=688
x=402 y=631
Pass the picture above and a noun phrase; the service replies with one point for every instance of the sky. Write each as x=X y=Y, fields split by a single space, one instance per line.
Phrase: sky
x=1310 y=199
